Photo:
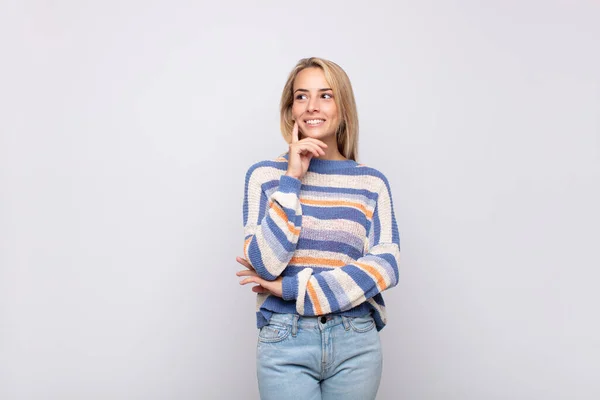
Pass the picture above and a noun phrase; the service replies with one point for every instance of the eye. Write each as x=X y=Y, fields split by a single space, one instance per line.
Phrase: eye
x=300 y=96
x=327 y=95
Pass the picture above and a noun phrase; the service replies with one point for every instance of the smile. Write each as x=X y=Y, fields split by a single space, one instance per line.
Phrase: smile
x=315 y=122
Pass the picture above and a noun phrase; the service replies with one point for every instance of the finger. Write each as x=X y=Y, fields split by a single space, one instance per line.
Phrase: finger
x=311 y=147
x=251 y=279
x=259 y=289
x=295 y=132
x=316 y=141
x=246 y=273
x=244 y=262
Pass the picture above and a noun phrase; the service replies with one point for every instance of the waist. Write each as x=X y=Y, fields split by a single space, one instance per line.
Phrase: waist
x=309 y=322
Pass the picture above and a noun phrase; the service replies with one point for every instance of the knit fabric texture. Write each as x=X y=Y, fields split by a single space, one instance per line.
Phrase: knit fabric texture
x=332 y=236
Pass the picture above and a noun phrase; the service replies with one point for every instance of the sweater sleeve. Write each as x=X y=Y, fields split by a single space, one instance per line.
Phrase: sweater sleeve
x=345 y=287
x=271 y=225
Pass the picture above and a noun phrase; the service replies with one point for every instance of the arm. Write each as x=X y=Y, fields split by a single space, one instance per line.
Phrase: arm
x=271 y=225
x=345 y=287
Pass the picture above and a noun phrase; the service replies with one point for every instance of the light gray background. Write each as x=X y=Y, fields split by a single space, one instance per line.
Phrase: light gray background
x=126 y=130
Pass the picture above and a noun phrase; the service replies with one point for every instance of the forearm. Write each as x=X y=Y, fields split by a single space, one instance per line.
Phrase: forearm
x=346 y=287
x=270 y=243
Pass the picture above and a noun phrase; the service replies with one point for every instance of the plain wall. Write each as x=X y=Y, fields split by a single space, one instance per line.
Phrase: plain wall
x=126 y=128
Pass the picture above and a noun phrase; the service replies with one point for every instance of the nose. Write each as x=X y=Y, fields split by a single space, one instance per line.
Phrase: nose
x=313 y=104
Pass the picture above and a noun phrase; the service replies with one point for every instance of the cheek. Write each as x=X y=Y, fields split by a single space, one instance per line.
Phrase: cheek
x=331 y=111
x=296 y=110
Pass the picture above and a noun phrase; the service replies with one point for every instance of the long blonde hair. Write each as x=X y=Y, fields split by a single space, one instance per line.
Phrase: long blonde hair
x=347 y=132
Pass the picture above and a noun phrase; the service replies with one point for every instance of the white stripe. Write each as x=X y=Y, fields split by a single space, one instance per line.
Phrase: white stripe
x=303 y=277
x=353 y=291
x=321 y=298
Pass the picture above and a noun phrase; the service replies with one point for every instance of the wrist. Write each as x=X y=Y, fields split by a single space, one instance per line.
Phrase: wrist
x=289 y=184
x=288 y=173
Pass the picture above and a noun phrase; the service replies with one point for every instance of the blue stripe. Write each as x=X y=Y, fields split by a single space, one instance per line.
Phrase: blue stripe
x=329 y=295
x=395 y=233
x=379 y=299
x=338 y=291
x=256 y=260
x=293 y=269
x=391 y=260
x=383 y=260
x=378 y=320
x=279 y=235
x=330 y=189
x=376 y=226
x=326 y=213
x=269 y=185
x=262 y=207
x=308 y=307
x=329 y=245
x=362 y=279
x=276 y=245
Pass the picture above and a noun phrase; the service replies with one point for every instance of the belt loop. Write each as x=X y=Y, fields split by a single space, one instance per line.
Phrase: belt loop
x=295 y=325
x=346 y=323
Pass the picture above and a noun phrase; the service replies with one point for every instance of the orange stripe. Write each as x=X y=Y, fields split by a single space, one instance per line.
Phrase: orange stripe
x=361 y=207
x=313 y=298
x=246 y=243
x=317 y=261
x=374 y=272
x=283 y=216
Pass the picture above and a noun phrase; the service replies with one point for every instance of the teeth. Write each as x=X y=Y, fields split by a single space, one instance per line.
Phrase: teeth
x=314 y=121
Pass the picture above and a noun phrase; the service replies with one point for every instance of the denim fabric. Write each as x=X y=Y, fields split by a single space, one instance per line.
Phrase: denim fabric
x=306 y=359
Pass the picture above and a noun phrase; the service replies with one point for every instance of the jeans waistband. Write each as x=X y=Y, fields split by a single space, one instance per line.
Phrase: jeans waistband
x=323 y=322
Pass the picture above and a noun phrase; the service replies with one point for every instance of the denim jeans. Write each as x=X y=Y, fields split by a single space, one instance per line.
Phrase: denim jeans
x=310 y=358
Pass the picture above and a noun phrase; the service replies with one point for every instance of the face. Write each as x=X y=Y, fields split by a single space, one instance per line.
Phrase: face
x=314 y=107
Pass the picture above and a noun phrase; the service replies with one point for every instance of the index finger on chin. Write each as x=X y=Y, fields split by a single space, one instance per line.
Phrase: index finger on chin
x=295 y=132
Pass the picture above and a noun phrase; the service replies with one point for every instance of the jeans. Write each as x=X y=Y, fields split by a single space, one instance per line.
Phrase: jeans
x=325 y=358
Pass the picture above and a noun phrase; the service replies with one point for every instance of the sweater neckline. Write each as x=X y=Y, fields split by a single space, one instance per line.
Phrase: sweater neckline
x=320 y=165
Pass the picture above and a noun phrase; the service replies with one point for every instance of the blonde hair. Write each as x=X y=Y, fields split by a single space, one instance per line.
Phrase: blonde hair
x=347 y=132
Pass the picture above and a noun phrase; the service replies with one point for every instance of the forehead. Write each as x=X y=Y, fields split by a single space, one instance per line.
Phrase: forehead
x=310 y=78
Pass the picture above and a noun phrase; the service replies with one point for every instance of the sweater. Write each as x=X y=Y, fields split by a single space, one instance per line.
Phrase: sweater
x=332 y=236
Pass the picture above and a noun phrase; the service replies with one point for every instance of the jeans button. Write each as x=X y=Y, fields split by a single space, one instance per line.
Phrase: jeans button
x=323 y=320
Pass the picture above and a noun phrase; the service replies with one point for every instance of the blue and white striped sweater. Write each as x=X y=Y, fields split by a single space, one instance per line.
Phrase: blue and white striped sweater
x=332 y=236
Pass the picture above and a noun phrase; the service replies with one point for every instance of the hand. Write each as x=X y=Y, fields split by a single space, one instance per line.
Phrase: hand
x=301 y=152
x=263 y=286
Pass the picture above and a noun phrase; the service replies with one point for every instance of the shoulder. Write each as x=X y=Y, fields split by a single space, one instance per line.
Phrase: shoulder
x=265 y=170
x=376 y=175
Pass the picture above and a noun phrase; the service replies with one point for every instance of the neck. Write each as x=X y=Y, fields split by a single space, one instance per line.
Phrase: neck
x=332 y=156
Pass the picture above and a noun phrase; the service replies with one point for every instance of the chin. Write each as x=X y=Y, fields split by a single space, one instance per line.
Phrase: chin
x=316 y=134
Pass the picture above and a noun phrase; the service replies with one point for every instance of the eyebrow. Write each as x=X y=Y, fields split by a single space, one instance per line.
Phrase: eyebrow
x=306 y=90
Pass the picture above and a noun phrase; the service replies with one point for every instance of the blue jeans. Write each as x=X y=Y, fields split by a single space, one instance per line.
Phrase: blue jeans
x=325 y=358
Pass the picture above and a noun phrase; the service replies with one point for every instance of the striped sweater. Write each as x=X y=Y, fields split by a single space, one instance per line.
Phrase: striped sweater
x=332 y=236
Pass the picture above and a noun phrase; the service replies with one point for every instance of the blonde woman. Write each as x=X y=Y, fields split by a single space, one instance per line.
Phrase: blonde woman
x=321 y=245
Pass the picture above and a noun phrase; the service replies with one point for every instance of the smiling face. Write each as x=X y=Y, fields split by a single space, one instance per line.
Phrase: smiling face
x=314 y=108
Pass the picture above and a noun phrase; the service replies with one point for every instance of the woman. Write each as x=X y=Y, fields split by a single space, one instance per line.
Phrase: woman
x=321 y=244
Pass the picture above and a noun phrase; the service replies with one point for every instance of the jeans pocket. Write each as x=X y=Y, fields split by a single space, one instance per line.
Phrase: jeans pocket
x=361 y=324
x=273 y=333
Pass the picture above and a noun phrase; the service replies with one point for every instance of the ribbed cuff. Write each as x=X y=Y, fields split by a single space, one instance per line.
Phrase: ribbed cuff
x=289 y=184
x=289 y=287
